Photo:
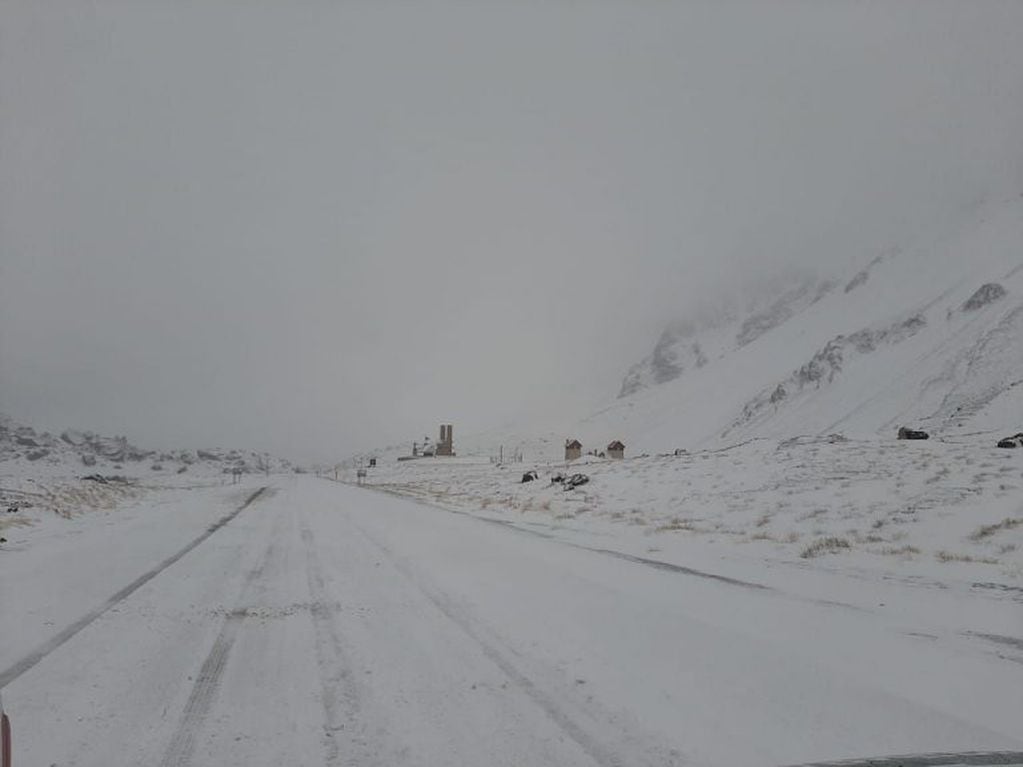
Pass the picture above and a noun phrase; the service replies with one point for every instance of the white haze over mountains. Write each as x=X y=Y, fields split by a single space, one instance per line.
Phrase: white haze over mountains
x=927 y=337
x=316 y=227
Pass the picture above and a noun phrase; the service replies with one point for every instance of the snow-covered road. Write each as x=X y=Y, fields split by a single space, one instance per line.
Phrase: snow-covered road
x=321 y=624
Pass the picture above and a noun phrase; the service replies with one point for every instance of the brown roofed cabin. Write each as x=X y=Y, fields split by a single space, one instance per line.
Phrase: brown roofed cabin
x=616 y=450
x=573 y=449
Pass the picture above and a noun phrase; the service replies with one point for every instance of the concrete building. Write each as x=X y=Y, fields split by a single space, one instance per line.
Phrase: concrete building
x=616 y=450
x=573 y=449
x=446 y=443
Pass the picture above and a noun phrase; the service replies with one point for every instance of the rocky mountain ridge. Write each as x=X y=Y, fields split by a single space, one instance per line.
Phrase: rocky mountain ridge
x=87 y=449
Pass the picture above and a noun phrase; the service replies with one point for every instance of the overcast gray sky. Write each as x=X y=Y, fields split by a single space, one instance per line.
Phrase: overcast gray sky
x=314 y=227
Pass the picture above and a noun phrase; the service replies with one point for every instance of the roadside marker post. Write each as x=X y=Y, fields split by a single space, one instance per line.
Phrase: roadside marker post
x=5 y=737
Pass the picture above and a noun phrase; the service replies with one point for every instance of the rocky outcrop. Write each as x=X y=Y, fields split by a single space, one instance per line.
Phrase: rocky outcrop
x=985 y=295
x=827 y=364
x=89 y=449
x=780 y=311
x=674 y=351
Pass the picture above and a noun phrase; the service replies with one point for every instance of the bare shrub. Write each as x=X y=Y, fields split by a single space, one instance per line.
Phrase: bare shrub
x=948 y=556
x=676 y=524
x=901 y=551
x=828 y=545
x=986 y=531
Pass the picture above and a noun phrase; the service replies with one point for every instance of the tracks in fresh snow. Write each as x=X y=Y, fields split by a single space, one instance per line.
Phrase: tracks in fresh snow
x=11 y=673
x=207 y=682
x=338 y=692
x=657 y=564
x=967 y=759
x=332 y=627
x=597 y=733
x=348 y=729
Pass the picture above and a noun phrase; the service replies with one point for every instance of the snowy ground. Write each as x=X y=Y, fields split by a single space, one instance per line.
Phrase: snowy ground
x=947 y=511
x=320 y=624
x=48 y=495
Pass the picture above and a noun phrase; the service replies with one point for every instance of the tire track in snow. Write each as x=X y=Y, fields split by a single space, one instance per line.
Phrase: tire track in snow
x=207 y=681
x=594 y=745
x=182 y=743
x=931 y=760
x=8 y=675
x=657 y=564
x=338 y=691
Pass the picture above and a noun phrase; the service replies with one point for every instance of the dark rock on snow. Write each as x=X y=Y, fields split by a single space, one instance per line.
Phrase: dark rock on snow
x=986 y=294
x=576 y=480
x=905 y=433
x=1016 y=440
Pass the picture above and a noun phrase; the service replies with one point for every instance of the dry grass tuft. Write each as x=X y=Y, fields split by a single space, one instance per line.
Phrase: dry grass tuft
x=948 y=556
x=901 y=551
x=675 y=524
x=986 y=531
x=828 y=545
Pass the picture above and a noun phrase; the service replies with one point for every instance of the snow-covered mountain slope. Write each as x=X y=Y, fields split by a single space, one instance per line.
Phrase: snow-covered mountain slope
x=691 y=343
x=929 y=335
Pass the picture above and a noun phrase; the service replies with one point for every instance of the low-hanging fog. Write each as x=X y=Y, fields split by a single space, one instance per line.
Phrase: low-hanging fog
x=314 y=227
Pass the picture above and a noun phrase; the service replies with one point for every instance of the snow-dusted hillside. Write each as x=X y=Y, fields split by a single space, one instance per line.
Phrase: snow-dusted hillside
x=691 y=343
x=775 y=427
x=80 y=450
x=931 y=508
x=42 y=474
x=929 y=335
